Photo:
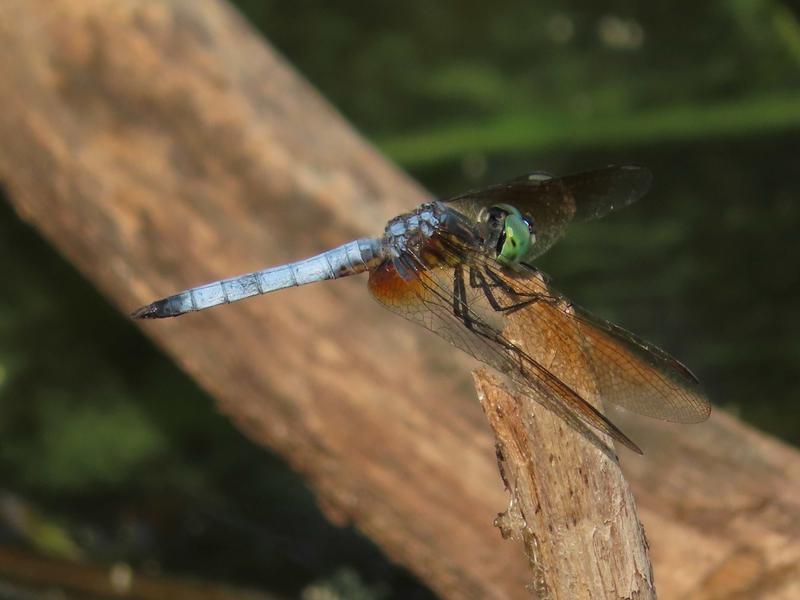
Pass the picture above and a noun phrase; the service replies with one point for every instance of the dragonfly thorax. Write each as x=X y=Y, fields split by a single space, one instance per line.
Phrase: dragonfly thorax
x=431 y=235
x=410 y=232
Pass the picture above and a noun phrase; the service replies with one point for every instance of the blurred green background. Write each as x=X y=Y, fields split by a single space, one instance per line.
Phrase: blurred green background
x=107 y=458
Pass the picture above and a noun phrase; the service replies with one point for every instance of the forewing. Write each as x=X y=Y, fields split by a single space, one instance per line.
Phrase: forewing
x=551 y=203
x=472 y=325
x=628 y=371
x=601 y=191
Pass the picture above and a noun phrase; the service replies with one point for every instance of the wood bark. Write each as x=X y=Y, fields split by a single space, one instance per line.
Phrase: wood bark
x=161 y=144
x=569 y=503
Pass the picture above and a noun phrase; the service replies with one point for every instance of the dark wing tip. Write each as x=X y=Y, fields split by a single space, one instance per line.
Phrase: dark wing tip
x=607 y=189
x=644 y=174
x=685 y=371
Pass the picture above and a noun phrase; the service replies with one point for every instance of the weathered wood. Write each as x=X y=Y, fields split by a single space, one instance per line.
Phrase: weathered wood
x=569 y=503
x=160 y=144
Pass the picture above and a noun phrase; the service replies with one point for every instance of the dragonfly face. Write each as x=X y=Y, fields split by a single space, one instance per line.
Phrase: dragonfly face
x=462 y=268
x=507 y=235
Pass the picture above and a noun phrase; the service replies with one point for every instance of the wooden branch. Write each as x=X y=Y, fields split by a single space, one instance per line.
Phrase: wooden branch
x=569 y=503
x=160 y=144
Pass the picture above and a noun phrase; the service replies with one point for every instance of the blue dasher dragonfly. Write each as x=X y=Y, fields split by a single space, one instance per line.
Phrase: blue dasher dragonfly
x=463 y=268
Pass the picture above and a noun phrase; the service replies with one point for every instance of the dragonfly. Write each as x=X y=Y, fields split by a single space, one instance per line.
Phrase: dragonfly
x=463 y=268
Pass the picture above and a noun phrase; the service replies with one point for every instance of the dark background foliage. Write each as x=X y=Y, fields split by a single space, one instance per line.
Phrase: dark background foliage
x=112 y=458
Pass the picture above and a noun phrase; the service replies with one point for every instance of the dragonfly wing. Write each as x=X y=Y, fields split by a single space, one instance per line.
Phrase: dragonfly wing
x=628 y=371
x=601 y=191
x=551 y=203
x=443 y=301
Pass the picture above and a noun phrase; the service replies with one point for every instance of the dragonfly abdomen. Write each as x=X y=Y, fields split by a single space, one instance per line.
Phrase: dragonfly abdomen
x=349 y=259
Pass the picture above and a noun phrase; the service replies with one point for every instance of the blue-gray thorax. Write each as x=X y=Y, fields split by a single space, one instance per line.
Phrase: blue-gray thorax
x=432 y=235
x=409 y=232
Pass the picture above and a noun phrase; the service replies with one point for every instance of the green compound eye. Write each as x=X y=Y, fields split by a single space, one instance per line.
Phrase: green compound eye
x=515 y=239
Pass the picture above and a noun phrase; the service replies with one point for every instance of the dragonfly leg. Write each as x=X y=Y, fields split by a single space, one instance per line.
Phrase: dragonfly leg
x=478 y=281
x=460 y=309
x=462 y=312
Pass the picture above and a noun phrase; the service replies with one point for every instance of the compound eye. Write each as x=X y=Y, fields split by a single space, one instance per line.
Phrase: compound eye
x=515 y=236
x=515 y=240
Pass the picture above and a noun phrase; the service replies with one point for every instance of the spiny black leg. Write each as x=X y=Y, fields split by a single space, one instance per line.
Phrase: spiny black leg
x=460 y=308
x=519 y=306
x=477 y=280
x=474 y=283
x=498 y=282
x=463 y=313
x=457 y=308
x=511 y=291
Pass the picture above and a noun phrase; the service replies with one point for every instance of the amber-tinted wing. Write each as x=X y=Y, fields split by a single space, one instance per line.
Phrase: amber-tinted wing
x=445 y=301
x=628 y=371
x=551 y=203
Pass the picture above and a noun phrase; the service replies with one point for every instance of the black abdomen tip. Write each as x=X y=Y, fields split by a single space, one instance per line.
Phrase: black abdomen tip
x=156 y=310
x=146 y=312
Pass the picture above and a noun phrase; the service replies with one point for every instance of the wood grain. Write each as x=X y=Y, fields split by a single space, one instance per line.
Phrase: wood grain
x=569 y=503
x=160 y=144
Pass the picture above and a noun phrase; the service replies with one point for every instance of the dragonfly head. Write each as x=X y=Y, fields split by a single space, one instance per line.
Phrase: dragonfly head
x=508 y=236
